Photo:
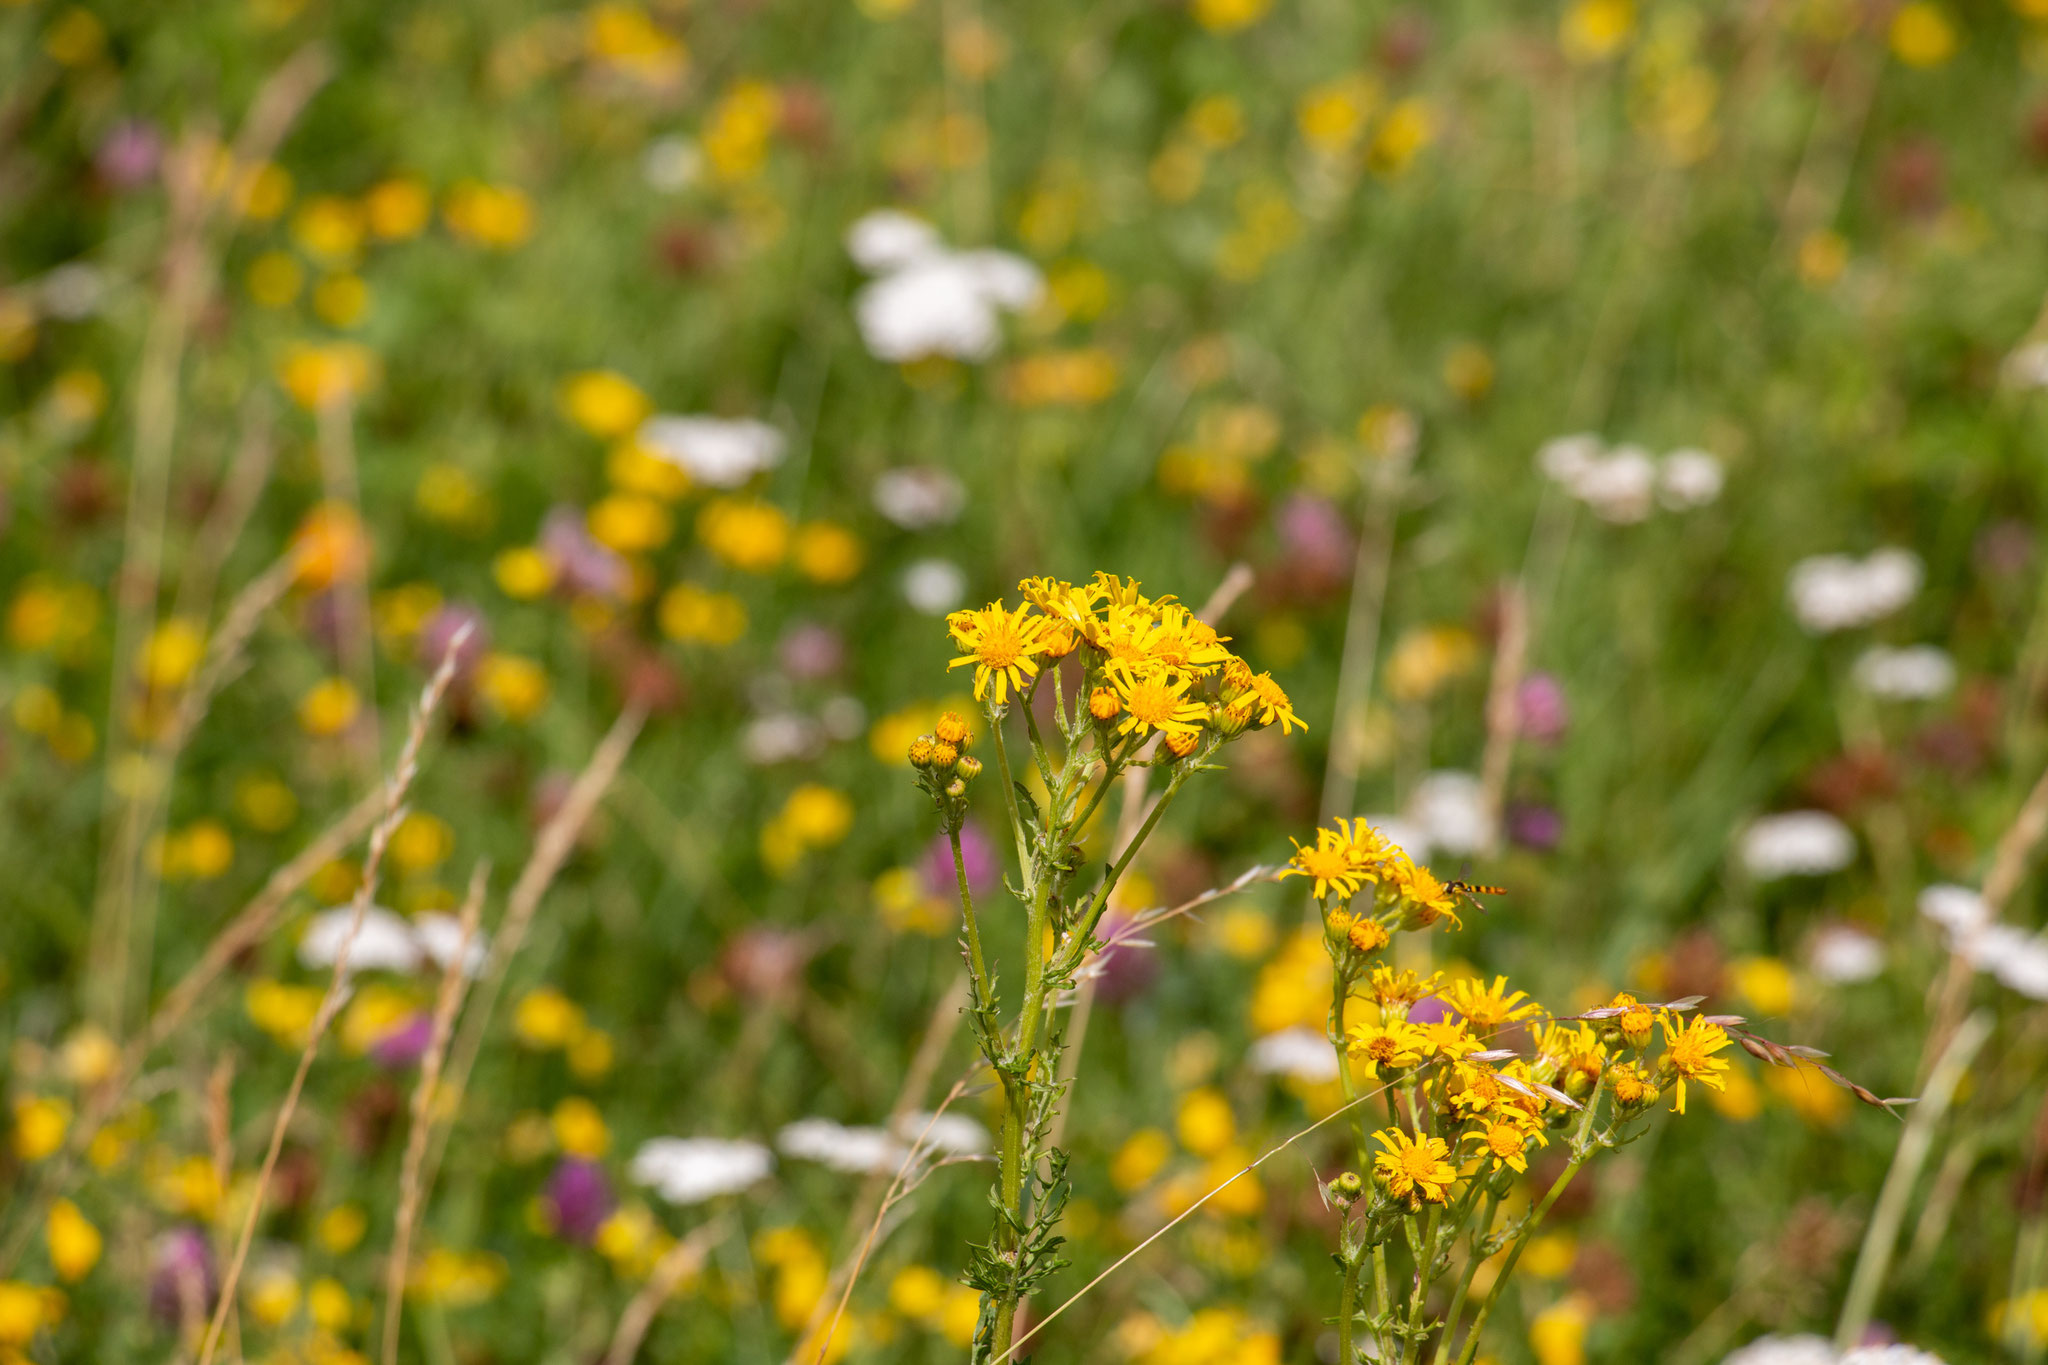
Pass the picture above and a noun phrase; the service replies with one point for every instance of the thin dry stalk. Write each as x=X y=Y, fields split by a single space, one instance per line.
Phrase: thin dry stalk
x=330 y=1003
x=220 y=1118
x=550 y=851
x=1369 y=575
x=681 y=1261
x=412 y=1194
x=247 y=476
x=188 y=272
x=1503 y=707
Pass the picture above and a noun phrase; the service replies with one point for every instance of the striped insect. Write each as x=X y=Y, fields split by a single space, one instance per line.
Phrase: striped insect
x=1469 y=892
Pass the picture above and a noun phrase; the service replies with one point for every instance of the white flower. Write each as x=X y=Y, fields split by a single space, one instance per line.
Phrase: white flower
x=1800 y=1350
x=1845 y=954
x=840 y=1147
x=384 y=943
x=1450 y=812
x=73 y=291
x=1958 y=909
x=671 y=164
x=1564 y=458
x=919 y=497
x=954 y=1134
x=692 y=1170
x=934 y=586
x=440 y=937
x=1618 y=486
x=843 y=717
x=1916 y=673
x=2023 y=967
x=1406 y=835
x=1688 y=478
x=889 y=239
x=2027 y=366
x=722 y=452
x=1835 y=592
x=1299 y=1052
x=1897 y=1354
x=929 y=299
x=781 y=738
x=1800 y=843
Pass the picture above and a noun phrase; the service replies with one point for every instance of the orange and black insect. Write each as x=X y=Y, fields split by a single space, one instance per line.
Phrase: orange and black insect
x=1469 y=891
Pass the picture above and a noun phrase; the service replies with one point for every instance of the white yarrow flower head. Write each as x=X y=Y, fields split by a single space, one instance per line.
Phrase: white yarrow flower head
x=1837 y=592
x=1300 y=1053
x=953 y=1134
x=1449 y=808
x=929 y=300
x=719 y=451
x=671 y=164
x=2023 y=967
x=1915 y=673
x=1563 y=459
x=919 y=497
x=1403 y=833
x=1800 y=843
x=1773 y=1350
x=1845 y=954
x=1959 y=910
x=1687 y=479
x=840 y=1147
x=692 y=1170
x=384 y=943
x=934 y=586
x=1619 y=486
x=440 y=939
x=2027 y=366
x=1895 y=1354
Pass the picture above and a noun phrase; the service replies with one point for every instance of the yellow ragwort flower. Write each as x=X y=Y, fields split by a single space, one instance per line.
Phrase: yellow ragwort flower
x=1689 y=1056
x=1394 y=1045
x=1156 y=700
x=999 y=644
x=1488 y=1008
x=1414 y=1170
x=1504 y=1140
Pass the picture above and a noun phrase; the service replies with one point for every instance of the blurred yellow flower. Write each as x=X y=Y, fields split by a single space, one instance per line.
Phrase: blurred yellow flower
x=689 y=614
x=1408 y=127
x=1557 y=1335
x=523 y=572
x=1765 y=983
x=1294 y=988
x=1332 y=116
x=265 y=803
x=17 y=327
x=329 y=707
x=330 y=1307
x=334 y=372
x=374 y=1012
x=88 y=1055
x=746 y=533
x=1923 y=35
x=77 y=397
x=1205 y=1122
x=1812 y=1096
x=191 y=1187
x=1077 y=378
x=275 y=279
x=173 y=651
x=1823 y=255
x=636 y=469
x=1550 y=1255
x=262 y=192
x=604 y=403
x=74 y=1243
x=272 y=1294
x=26 y=1309
x=1227 y=16
x=51 y=615
x=205 y=850
x=547 y=1019
x=330 y=229
x=515 y=687
x=591 y=1054
x=457 y=1279
x=421 y=841
x=341 y=300
x=629 y=523
x=341 y=1228
x=1594 y=30
x=1468 y=371
x=495 y=216
x=1427 y=657
x=1740 y=1100
x=41 y=1123
x=330 y=545
x=624 y=37
x=579 y=1129
x=398 y=208
x=735 y=137
x=826 y=552
x=449 y=494
x=285 y=1012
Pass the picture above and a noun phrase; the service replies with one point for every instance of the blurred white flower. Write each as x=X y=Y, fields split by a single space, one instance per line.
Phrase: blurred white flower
x=1896 y=1354
x=73 y=291
x=440 y=938
x=722 y=452
x=953 y=1134
x=1915 y=673
x=843 y=717
x=1448 y=809
x=889 y=239
x=2023 y=967
x=1688 y=478
x=781 y=738
x=692 y=1170
x=918 y=497
x=384 y=943
x=1618 y=486
x=1564 y=458
x=1406 y=835
x=2027 y=366
x=929 y=299
x=840 y=1147
x=934 y=586
x=1800 y=1350
x=671 y=164
x=1958 y=909
x=1299 y=1052
x=1845 y=954
x=1800 y=843
x=1835 y=592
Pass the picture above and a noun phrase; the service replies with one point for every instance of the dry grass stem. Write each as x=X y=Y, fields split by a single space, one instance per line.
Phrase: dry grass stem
x=393 y=813
x=1369 y=575
x=681 y=1261
x=1503 y=709
x=412 y=1194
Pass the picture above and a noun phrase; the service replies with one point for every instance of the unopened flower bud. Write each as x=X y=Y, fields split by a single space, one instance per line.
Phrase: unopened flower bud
x=951 y=729
x=956 y=788
x=921 y=752
x=1345 y=1189
x=1368 y=935
x=1181 y=743
x=969 y=767
x=1103 y=704
x=944 y=755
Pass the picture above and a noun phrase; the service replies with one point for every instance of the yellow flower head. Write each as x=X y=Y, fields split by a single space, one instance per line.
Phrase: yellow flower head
x=1346 y=857
x=1689 y=1056
x=1480 y=1089
x=1367 y=935
x=1428 y=899
x=1635 y=1021
x=1448 y=1038
x=999 y=644
x=1396 y=991
x=1272 y=705
x=1489 y=1008
x=1156 y=700
x=1503 y=1139
x=1394 y=1045
x=1413 y=1170
x=1631 y=1086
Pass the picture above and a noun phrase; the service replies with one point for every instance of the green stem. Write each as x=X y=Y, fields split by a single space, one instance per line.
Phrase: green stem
x=1015 y=1093
x=995 y=726
x=1347 y=1309
x=1443 y=1345
x=1101 y=902
x=1382 y=1296
x=1425 y=1258
x=975 y=959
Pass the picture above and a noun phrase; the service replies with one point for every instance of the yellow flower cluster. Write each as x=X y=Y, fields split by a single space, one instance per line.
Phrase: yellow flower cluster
x=1350 y=856
x=1151 y=664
